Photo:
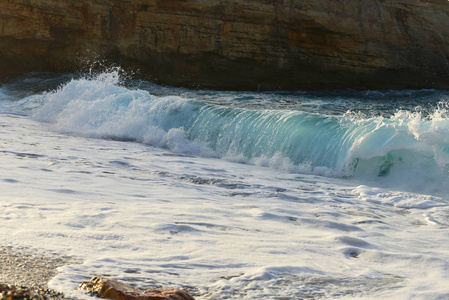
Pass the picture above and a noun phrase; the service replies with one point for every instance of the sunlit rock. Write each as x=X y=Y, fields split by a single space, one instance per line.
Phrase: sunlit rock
x=109 y=288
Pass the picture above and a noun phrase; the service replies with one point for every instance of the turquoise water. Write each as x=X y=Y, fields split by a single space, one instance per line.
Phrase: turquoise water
x=230 y=195
x=395 y=139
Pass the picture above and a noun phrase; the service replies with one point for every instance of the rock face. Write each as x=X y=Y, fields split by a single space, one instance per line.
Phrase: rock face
x=235 y=44
x=112 y=289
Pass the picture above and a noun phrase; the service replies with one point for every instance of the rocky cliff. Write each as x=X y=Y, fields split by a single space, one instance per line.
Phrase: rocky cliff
x=235 y=44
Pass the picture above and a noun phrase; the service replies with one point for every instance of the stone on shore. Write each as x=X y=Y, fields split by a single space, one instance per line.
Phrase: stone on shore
x=109 y=288
x=12 y=292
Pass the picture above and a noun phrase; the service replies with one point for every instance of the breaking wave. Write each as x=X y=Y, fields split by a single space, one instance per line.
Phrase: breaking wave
x=408 y=149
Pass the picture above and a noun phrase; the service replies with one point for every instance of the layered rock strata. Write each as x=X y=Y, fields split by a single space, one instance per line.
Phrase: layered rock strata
x=235 y=44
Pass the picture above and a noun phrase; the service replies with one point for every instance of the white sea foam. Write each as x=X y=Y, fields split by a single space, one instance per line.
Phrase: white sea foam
x=407 y=151
x=398 y=199
x=102 y=109
x=150 y=217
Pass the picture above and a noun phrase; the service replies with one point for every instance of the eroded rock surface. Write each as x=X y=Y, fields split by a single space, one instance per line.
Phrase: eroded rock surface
x=235 y=44
x=112 y=289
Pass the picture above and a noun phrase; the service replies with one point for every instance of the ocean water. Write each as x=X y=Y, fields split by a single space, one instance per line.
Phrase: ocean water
x=229 y=195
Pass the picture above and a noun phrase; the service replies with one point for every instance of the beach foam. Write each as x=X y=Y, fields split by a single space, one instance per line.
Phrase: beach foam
x=115 y=176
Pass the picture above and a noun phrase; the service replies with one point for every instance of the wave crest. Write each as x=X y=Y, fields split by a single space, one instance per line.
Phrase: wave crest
x=377 y=149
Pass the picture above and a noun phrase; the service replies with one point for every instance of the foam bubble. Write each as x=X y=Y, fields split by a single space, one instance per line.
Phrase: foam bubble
x=398 y=199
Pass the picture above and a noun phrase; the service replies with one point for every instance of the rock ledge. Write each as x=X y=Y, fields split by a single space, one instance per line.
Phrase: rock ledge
x=235 y=44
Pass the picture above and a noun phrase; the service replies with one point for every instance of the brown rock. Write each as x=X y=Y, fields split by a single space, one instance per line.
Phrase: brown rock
x=109 y=288
x=235 y=44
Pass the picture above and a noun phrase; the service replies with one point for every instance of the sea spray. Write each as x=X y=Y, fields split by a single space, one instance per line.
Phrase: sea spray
x=407 y=149
x=150 y=217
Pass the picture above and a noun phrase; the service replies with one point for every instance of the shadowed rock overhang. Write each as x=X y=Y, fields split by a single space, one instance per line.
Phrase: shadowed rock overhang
x=234 y=44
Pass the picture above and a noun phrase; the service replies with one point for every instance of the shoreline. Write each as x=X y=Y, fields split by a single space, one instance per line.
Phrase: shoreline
x=26 y=273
